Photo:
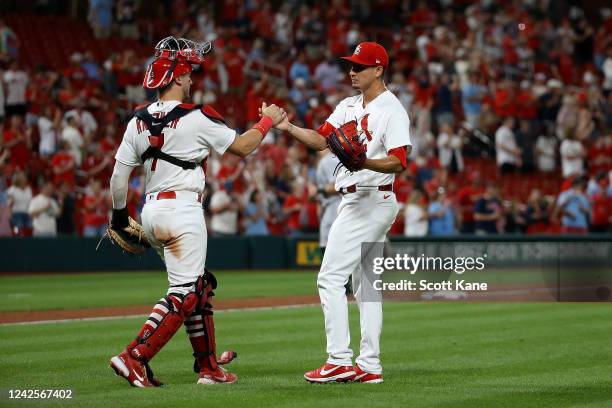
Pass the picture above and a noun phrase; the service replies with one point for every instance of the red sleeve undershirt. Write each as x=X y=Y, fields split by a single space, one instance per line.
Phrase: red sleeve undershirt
x=400 y=153
x=326 y=129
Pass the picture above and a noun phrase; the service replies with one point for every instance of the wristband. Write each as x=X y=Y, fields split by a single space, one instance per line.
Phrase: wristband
x=120 y=218
x=264 y=125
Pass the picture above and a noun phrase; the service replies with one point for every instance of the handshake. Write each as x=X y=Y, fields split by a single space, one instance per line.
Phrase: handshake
x=278 y=115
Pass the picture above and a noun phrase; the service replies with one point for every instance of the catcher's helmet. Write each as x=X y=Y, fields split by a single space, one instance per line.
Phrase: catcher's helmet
x=174 y=57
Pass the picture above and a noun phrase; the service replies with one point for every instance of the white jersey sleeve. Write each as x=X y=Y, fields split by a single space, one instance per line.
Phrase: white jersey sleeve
x=338 y=116
x=397 y=133
x=127 y=152
x=216 y=135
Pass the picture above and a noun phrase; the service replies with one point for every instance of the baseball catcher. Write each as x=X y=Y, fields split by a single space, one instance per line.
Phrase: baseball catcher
x=172 y=140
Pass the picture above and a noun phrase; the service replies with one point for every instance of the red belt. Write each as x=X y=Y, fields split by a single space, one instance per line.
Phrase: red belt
x=353 y=188
x=171 y=195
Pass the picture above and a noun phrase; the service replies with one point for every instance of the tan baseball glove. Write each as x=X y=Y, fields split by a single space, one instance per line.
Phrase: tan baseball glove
x=127 y=233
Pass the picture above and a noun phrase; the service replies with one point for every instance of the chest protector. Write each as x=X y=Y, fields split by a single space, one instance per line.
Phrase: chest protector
x=157 y=125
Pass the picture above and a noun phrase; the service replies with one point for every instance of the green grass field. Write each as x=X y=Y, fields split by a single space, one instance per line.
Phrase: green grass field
x=434 y=354
x=70 y=291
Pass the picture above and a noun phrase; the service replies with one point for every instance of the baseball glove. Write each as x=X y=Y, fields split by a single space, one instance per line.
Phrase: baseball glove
x=127 y=233
x=344 y=143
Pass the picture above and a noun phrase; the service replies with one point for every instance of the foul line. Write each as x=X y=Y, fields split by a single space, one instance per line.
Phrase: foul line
x=105 y=318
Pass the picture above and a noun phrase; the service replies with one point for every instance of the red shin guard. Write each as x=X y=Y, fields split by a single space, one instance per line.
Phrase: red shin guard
x=163 y=322
x=201 y=331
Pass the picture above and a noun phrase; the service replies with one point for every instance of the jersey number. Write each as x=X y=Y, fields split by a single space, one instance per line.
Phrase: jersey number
x=158 y=142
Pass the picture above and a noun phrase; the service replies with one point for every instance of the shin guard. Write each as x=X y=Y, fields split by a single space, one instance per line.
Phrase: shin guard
x=200 y=328
x=164 y=320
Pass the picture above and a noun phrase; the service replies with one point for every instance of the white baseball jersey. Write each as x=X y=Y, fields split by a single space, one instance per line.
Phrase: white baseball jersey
x=188 y=138
x=383 y=125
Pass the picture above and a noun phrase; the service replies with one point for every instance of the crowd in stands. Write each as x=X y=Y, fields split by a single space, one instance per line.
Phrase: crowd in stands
x=524 y=85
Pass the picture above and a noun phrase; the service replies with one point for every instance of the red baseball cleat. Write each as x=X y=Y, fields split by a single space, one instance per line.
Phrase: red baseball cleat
x=330 y=372
x=365 y=377
x=218 y=376
x=131 y=369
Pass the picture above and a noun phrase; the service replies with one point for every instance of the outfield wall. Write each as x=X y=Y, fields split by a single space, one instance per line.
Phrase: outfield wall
x=66 y=254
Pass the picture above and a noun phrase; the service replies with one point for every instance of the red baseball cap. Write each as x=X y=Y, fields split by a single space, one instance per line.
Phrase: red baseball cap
x=369 y=54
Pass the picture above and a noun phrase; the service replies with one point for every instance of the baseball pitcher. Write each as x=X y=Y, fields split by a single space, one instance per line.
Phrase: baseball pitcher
x=172 y=140
x=370 y=135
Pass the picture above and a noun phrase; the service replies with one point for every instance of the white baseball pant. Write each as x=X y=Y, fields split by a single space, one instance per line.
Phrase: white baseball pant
x=176 y=230
x=363 y=216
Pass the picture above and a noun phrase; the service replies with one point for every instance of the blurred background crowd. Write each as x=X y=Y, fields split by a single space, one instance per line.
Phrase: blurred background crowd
x=510 y=106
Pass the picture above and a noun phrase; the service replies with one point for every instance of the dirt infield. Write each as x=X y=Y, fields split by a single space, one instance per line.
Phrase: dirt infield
x=63 y=314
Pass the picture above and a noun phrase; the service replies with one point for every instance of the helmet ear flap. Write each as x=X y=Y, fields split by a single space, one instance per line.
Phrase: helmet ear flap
x=157 y=75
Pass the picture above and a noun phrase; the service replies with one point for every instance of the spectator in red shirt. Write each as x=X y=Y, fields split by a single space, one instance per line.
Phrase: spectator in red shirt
x=278 y=154
x=526 y=103
x=232 y=170
x=424 y=91
x=292 y=208
x=17 y=140
x=262 y=22
x=600 y=155
x=99 y=165
x=601 y=204
x=402 y=187
x=233 y=60
x=422 y=17
x=109 y=144
x=337 y=36
x=75 y=72
x=254 y=98
x=63 y=166
x=503 y=102
x=95 y=211
x=466 y=200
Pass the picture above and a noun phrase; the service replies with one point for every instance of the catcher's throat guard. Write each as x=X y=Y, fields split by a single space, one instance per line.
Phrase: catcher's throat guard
x=174 y=57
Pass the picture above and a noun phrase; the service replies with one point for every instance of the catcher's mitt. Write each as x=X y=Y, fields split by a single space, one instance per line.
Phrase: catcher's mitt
x=127 y=233
x=344 y=143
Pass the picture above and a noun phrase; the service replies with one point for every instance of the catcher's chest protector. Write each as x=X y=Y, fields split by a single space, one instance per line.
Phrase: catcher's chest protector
x=156 y=126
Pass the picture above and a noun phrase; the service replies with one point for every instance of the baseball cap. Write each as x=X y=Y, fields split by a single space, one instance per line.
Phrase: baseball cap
x=370 y=54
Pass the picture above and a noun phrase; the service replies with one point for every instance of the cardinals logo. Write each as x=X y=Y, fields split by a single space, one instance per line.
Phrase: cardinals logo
x=358 y=49
x=364 y=127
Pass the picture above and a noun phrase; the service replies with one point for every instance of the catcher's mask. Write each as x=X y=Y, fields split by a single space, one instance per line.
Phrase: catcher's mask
x=174 y=57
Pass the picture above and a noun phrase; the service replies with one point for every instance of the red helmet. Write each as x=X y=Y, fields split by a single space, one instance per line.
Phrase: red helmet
x=174 y=57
